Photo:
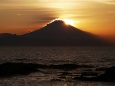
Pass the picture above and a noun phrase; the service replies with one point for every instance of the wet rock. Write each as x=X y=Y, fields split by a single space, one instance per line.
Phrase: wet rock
x=53 y=80
x=107 y=76
x=65 y=73
x=64 y=66
x=87 y=76
x=101 y=69
x=12 y=69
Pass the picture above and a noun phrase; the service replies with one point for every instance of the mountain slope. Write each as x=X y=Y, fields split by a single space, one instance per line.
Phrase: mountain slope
x=58 y=33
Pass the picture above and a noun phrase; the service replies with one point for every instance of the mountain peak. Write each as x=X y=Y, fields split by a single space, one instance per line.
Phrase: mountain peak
x=61 y=22
x=56 y=23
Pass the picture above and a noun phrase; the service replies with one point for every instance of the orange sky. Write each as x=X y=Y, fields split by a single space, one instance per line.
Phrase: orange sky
x=22 y=16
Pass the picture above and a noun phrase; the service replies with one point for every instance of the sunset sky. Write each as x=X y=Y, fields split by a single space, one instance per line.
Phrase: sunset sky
x=22 y=16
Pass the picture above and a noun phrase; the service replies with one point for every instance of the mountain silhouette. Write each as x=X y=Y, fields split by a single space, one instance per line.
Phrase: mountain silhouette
x=58 y=33
x=8 y=39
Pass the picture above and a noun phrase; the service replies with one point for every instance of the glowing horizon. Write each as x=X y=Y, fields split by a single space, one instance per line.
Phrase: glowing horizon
x=21 y=16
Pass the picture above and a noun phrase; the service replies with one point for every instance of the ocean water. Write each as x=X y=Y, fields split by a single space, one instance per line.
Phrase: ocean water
x=94 y=57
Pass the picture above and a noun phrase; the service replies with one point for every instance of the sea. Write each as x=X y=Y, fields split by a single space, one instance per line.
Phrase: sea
x=90 y=58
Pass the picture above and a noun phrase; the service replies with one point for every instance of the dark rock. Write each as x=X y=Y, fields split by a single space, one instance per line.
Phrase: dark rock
x=89 y=74
x=107 y=76
x=86 y=66
x=12 y=69
x=65 y=73
x=64 y=66
x=55 y=80
x=101 y=69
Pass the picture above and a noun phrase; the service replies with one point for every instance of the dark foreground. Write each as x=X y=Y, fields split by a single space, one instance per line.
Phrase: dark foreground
x=18 y=69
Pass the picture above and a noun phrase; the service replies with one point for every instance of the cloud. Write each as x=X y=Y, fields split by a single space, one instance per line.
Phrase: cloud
x=106 y=1
x=26 y=17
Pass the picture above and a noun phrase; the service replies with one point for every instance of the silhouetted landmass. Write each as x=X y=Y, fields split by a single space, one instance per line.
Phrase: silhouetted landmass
x=8 y=39
x=55 y=33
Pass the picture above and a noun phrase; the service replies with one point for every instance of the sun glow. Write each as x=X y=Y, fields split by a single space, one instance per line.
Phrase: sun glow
x=68 y=22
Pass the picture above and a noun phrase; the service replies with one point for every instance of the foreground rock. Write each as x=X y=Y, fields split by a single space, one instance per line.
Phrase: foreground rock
x=12 y=69
x=100 y=74
x=107 y=76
